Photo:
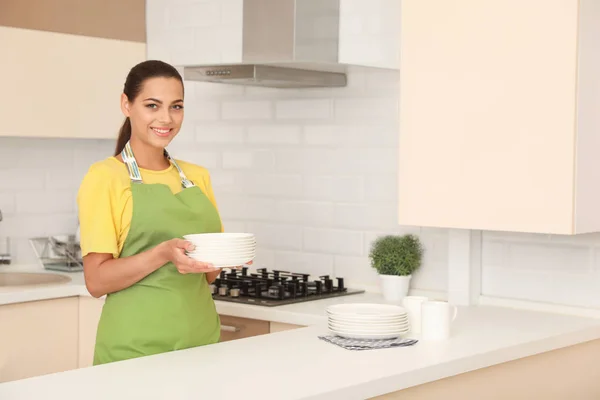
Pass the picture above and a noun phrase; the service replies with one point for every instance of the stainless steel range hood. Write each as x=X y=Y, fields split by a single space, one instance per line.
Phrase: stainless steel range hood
x=281 y=44
x=265 y=75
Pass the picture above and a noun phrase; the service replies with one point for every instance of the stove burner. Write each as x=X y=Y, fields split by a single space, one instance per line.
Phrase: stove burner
x=276 y=287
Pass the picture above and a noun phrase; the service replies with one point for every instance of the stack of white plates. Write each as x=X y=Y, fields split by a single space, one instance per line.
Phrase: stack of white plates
x=223 y=250
x=367 y=321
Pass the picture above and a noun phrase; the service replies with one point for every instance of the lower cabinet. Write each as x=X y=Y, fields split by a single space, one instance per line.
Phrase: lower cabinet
x=42 y=337
x=38 y=337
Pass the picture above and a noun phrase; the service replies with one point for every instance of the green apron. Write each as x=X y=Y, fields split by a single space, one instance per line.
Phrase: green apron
x=166 y=310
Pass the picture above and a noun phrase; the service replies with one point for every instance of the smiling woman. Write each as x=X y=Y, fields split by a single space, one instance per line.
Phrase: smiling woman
x=134 y=208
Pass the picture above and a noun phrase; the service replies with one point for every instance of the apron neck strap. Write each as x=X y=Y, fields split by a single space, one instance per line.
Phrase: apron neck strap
x=134 y=170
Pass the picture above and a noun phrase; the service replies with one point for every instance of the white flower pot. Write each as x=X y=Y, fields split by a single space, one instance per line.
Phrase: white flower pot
x=393 y=287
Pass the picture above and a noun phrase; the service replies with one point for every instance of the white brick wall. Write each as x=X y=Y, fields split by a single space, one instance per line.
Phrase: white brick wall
x=38 y=183
x=312 y=172
x=543 y=268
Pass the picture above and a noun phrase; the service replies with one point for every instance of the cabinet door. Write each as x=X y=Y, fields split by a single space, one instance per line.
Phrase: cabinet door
x=488 y=114
x=58 y=85
x=90 y=309
x=37 y=338
x=233 y=328
x=64 y=63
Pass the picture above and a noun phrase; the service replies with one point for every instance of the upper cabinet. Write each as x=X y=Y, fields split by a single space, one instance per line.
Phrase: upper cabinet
x=315 y=34
x=500 y=115
x=64 y=64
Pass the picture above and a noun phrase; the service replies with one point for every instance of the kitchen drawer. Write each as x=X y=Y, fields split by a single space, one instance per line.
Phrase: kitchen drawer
x=233 y=328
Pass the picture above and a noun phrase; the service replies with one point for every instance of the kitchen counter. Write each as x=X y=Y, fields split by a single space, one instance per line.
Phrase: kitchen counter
x=296 y=364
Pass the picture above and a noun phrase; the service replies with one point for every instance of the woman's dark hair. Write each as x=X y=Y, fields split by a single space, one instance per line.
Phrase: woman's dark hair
x=133 y=85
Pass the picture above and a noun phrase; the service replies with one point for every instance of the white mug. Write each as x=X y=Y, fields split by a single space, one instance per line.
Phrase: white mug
x=436 y=318
x=412 y=304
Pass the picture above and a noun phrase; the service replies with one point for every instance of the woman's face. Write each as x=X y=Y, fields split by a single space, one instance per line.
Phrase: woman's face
x=156 y=113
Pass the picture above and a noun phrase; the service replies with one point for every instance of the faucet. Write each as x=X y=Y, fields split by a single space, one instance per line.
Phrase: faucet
x=5 y=258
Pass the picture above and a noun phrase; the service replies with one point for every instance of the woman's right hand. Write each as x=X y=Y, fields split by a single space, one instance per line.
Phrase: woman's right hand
x=174 y=251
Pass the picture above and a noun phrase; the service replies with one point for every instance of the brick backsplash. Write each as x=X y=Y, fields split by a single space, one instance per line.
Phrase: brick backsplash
x=38 y=184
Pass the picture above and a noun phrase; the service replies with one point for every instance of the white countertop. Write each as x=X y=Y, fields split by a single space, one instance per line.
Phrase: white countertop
x=295 y=364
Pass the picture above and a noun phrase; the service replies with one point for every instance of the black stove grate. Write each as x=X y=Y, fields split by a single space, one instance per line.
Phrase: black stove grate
x=276 y=287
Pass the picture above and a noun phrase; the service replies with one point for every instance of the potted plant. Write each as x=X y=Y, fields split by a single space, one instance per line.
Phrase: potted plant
x=395 y=258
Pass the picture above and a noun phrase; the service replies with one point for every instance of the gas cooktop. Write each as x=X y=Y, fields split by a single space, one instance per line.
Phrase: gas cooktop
x=276 y=287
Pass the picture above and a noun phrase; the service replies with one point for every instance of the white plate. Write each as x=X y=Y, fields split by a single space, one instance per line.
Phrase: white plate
x=221 y=249
x=369 y=319
x=222 y=254
x=365 y=331
x=216 y=261
x=369 y=327
x=229 y=261
x=219 y=236
x=219 y=245
x=353 y=335
x=363 y=310
x=229 y=265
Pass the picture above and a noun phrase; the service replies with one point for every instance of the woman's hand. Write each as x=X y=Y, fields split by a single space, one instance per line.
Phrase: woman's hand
x=174 y=251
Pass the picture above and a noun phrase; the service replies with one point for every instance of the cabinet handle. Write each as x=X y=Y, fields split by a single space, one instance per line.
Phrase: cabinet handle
x=228 y=328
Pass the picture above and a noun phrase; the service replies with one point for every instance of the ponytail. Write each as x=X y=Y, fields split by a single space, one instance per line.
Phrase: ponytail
x=124 y=136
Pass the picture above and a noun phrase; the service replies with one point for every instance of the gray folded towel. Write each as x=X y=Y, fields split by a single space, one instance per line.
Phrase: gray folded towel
x=367 y=344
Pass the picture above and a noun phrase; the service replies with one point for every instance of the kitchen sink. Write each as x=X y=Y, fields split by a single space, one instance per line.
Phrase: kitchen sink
x=13 y=279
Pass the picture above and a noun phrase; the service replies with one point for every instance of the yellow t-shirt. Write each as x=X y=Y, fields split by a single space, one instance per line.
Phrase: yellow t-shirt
x=105 y=204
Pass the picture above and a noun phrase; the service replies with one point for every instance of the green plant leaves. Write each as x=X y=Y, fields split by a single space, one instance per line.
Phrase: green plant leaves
x=396 y=254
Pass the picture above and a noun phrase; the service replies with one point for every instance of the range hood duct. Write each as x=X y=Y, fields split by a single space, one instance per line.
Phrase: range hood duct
x=282 y=44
